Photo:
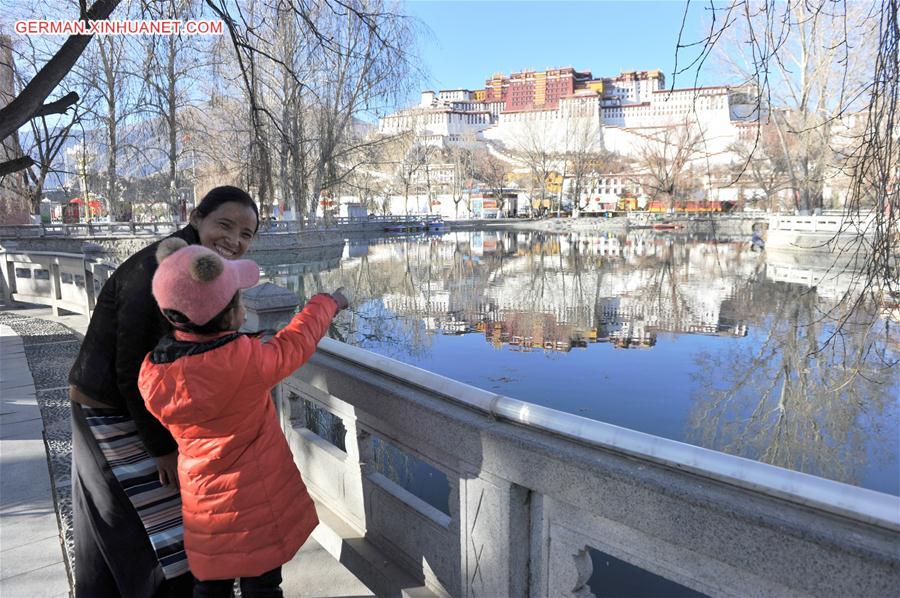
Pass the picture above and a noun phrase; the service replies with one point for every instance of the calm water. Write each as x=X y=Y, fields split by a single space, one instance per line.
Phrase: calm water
x=697 y=340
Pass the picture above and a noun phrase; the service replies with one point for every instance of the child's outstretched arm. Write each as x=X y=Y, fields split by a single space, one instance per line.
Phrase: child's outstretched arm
x=295 y=343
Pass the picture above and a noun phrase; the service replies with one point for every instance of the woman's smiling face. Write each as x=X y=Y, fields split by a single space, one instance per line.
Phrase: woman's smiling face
x=227 y=230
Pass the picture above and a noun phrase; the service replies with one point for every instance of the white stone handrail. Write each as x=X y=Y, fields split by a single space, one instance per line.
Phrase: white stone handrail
x=69 y=281
x=826 y=223
x=858 y=503
x=87 y=229
x=533 y=491
x=97 y=229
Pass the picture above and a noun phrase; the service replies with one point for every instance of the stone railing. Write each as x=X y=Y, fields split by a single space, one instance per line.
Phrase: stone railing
x=69 y=281
x=826 y=223
x=426 y=484
x=88 y=229
x=826 y=233
x=104 y=229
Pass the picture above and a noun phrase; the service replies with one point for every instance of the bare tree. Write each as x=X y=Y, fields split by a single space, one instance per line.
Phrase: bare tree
x=663 y=161
x=584 y=152
x=48 y=141
x=832 y=69
x=373 y=64
x=815 y=82
x=47 y=136
x=462 y=160
x=762 y=163
x=172 y=66
x=410 y=162
x=14 y=193
x=29 y=102
x=533 y=147
x=334 y=61
x=113 y=100
x=493 y=173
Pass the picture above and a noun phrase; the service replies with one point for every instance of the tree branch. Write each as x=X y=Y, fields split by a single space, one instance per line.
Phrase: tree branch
x=57 y=107
x=28 y=103
x=15 y=165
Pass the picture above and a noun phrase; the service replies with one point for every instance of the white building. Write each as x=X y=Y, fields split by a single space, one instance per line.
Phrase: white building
x=576 y=122
x=633 y=87
x=450 y=116
x=624 y=114
x=620 y=115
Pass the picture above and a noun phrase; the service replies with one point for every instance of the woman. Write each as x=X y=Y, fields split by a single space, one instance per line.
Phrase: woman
x=127 y=509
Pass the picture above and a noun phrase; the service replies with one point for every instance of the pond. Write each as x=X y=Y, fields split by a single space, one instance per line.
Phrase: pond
x=696 y=339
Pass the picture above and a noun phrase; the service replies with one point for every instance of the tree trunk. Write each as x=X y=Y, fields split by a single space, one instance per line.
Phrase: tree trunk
x=112 y=151
x=171 y=119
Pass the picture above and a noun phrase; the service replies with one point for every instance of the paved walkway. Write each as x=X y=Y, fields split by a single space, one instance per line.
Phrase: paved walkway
x=35 y=444
x=32 y=561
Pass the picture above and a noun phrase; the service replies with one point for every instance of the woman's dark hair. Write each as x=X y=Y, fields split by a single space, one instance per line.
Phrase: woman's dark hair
x=217 y=324
x=226 y=194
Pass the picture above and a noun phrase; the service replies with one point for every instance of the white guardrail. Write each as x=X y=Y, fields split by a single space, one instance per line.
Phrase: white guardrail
x=425 y=482
x=826 y=223
x=100 y=229
x=69 y=281
x=534 y=501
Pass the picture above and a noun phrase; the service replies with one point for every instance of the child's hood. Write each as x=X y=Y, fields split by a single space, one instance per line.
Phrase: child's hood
x=184 y=383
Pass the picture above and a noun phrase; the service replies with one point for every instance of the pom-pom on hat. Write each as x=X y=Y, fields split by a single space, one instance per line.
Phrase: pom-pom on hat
x=197 y=281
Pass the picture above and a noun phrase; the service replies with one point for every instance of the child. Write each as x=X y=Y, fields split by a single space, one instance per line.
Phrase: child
x=246 y=510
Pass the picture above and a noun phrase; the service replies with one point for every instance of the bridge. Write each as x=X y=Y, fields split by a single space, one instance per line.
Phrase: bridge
x=832 y=233
x=524 y=500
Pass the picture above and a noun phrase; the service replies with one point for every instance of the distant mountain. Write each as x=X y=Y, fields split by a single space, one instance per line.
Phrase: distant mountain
x=141 y=152
x=142 y=148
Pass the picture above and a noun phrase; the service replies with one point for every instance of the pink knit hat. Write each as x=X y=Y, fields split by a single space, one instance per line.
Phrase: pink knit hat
x=197 y=281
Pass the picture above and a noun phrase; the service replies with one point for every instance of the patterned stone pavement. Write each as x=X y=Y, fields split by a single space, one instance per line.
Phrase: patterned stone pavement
x=50 y=349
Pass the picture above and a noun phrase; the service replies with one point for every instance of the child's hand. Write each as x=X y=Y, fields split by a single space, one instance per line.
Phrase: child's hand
x=340 y=299
x=167 y=465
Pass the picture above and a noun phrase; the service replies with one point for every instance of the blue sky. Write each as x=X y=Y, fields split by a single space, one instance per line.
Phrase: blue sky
x=471 y=39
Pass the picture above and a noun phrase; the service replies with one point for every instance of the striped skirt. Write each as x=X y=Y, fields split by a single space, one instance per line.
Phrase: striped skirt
x=114 y=478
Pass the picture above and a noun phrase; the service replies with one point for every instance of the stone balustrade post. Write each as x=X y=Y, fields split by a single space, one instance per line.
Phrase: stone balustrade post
x=269 y=307
x=8 y=277
x=93 y=254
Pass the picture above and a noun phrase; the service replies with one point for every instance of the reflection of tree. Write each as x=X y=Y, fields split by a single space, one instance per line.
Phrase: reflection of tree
x=787 y=400
x=791 y=401
x=370 y=323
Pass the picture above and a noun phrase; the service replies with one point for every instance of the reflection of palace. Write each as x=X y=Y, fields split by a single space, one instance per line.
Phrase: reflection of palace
x=532 y=291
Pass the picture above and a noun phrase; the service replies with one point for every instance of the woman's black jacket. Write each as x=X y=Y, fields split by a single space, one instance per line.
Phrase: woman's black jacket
x=125 y=326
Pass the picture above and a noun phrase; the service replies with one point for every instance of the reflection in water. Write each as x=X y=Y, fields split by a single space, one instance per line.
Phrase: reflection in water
x=740 y=354
x=807 y=395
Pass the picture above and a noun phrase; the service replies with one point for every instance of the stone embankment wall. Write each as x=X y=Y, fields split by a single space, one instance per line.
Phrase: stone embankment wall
x=712 y=225
x=733 y=226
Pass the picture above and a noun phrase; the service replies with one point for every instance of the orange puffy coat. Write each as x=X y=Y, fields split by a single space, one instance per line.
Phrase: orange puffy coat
x=246 y=510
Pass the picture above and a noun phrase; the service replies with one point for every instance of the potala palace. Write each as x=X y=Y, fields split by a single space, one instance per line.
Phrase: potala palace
x=619 y=110
x=565 y=110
